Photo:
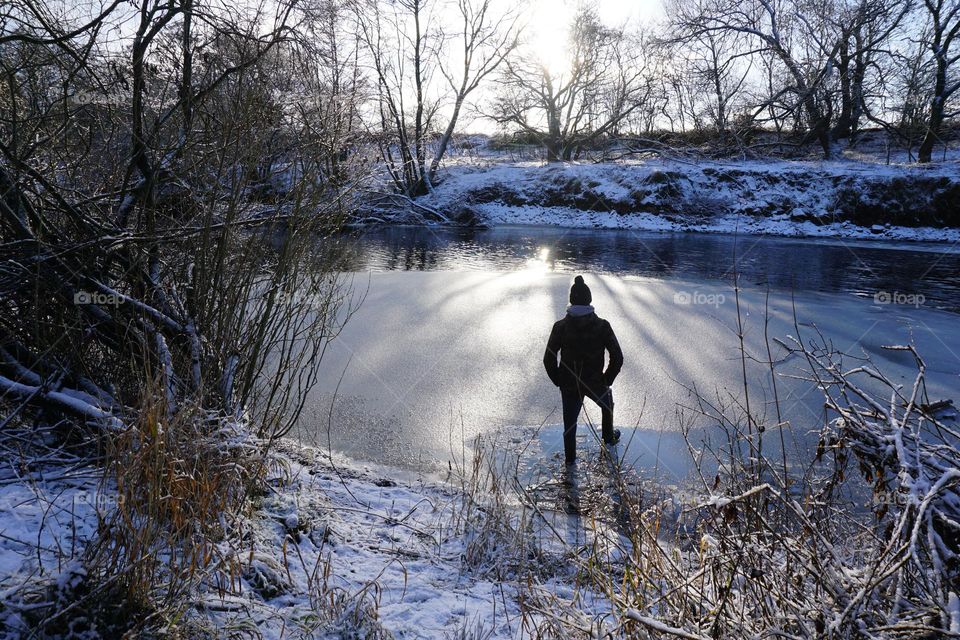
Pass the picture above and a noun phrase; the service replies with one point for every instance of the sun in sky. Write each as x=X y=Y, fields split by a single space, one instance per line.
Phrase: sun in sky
x=548 y=21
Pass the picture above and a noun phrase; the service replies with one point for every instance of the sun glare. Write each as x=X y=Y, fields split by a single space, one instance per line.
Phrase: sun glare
x=549 y=23
x=549 y=29
x=539 y=265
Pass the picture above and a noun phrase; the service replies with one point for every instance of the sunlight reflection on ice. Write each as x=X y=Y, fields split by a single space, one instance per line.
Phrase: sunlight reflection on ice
x=538 y=266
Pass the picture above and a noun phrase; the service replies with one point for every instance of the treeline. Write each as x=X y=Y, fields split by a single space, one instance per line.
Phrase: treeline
x=135 y=99
x=806 y=71
x=117 y=94
x=822 y=68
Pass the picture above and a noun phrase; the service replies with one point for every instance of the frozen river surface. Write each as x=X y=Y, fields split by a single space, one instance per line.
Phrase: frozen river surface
x=449 y=339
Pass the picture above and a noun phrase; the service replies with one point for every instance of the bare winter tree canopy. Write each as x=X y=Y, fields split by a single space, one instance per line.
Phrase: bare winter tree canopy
x=425 y=70
x=608 y=79
x=811 y=72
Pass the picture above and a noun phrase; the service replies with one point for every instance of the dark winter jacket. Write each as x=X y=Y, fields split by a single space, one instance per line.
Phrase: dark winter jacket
x=579 y=341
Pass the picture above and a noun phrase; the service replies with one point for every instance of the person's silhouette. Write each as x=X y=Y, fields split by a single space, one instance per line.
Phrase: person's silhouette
x=579 y=340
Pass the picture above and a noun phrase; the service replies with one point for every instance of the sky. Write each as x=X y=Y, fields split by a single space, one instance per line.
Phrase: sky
x=547 y=21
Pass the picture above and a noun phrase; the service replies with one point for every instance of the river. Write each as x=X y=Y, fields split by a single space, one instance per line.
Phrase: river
x=448 y=341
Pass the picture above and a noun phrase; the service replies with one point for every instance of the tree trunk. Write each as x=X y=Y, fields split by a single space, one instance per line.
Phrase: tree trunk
x=553 y=142
x=819 y=126
x=843 y=126
x=932 y=136
x=186 y=80
x=856 y=86
x=821 y=131
x=552 y=145
x=447 y=135
x=422 y=182
x=721 y=102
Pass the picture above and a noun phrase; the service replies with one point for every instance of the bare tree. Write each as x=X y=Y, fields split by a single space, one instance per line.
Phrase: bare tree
x=798 y=37
x=145 y=200
x=401 y=42
x=944 y=16
x=899 y=99
x=407 y=45
x=326 y=89
x=719 y=62
x=865 y=29
x=719 y=66
x=486 y=41
x=606 y=80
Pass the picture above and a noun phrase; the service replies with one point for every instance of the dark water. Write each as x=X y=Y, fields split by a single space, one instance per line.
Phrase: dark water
x=857 y=267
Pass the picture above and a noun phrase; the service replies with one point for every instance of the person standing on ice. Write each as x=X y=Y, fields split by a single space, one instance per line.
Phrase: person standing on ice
x=579 y=340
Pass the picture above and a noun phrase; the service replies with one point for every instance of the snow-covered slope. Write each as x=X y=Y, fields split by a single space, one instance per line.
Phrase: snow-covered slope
x=840 y=199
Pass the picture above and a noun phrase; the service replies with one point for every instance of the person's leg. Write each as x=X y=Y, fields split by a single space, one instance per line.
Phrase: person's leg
x=572 y=403
x=605 y=402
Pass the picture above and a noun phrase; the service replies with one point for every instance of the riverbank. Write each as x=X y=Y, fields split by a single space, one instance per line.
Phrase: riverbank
x=842 y=199
x=361 y=551
x=331 y=548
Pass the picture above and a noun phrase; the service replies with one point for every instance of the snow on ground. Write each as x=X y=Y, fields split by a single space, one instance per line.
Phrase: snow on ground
x=45 y=521
x=44 y=518
x=331 y=548
x=389 y=541
x=779 y=225
x=843 y=198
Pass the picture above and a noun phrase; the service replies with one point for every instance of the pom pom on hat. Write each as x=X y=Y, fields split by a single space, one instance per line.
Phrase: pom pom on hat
x=580 y=292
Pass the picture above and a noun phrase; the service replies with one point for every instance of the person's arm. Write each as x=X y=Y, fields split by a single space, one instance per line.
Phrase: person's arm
x=616 y=356
x=551 y=354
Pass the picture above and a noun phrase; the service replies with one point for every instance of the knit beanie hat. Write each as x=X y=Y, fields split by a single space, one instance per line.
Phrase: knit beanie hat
x=580 y=292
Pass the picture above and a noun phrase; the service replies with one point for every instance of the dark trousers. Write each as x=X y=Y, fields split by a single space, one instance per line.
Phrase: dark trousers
x=572 y=400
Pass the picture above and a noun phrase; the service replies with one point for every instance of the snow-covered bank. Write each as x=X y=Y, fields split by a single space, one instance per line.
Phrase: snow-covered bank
x=394 y=548
x=331 y=549
x=821 y=199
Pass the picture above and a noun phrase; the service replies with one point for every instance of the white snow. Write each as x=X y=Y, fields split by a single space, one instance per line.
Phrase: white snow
x=773 y=197
x=954 y=613
x=330 y=544
x=44 y=524
x=394 y=544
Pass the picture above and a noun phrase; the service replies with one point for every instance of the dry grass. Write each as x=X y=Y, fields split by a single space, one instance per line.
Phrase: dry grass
x=180 y=481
